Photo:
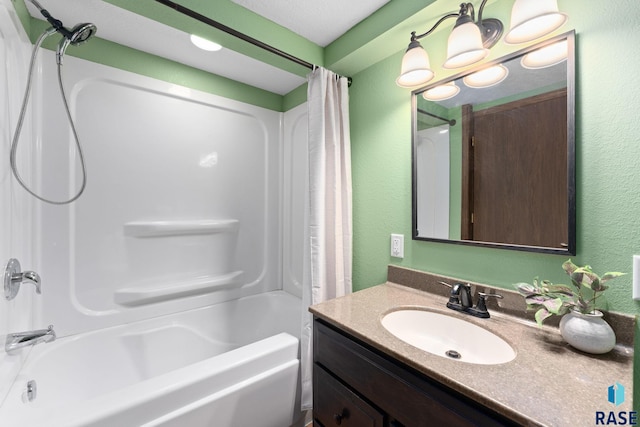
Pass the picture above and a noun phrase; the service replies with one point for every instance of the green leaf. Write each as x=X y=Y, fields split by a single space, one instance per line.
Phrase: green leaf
x=526 y=289
x=541 y=315
x=553 y=305
x=611 y=275
x=585 y=277
x=535 y=300
x=561 y=289
x=569 y=267
x=535 y=283
x=599 y=286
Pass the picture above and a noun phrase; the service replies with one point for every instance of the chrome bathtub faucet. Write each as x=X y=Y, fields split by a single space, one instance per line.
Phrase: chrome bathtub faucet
x=18 y=340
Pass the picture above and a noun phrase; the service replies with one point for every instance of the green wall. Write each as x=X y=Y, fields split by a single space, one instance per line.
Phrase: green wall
x=608 y=163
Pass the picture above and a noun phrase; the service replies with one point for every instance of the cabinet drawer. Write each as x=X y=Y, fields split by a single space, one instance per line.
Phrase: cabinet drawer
x=336 y=405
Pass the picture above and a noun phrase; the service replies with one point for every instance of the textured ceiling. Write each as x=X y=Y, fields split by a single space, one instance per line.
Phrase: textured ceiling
x=319 y=21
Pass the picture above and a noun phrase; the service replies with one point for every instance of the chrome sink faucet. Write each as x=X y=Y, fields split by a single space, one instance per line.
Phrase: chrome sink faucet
x=460 y=300
x=18 y=340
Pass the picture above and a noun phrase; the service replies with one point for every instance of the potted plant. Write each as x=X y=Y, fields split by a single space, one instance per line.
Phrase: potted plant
x=582 y=325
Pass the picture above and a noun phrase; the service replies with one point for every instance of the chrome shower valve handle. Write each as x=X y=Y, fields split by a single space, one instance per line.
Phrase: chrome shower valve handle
x=14 y=277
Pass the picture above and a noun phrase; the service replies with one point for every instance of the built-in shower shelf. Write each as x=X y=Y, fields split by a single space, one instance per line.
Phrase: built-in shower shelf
x=148 y=295
x=179 y=228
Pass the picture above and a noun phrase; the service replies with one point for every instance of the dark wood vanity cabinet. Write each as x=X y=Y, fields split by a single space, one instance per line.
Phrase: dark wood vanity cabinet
x=356 y=385
x=336 y=404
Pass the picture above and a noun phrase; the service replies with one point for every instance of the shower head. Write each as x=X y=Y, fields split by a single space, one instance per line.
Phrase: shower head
x=81 y=33
x=77 y=35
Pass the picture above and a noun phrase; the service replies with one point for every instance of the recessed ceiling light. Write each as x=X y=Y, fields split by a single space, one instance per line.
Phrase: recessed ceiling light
x=205 y=44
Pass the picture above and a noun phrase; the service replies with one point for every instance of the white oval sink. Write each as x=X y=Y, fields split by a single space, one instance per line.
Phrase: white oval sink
x=448 y=336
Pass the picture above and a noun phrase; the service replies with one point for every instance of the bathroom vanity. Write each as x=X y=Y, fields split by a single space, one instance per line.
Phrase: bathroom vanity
x=366 y=376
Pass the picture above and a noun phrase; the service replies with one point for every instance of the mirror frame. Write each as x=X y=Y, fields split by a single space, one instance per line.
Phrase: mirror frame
x=571 y=152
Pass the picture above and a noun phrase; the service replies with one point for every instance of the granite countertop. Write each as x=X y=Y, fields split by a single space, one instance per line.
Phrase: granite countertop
x=547 y=384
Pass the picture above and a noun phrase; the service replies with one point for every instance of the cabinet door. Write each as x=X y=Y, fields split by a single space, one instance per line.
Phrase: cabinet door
x=336 y=405
x=407 y=397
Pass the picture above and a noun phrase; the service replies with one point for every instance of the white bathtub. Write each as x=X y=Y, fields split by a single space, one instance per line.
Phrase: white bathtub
x=230 y=364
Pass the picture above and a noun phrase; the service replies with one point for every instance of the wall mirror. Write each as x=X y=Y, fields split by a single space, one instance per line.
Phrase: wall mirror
x=494 y=153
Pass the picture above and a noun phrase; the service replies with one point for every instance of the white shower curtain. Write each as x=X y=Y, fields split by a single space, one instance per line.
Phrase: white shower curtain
x=328 y=248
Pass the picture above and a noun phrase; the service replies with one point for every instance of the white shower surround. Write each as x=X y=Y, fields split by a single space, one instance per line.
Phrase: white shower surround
x=182 y=203
x=192 y=203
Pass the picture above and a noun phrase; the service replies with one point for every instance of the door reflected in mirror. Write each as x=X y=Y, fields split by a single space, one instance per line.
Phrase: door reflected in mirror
x=494 y=153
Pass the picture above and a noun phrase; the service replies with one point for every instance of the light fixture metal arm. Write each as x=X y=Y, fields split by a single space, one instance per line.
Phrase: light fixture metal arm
x=491 y=28
x=480 y=11
x=445 y=17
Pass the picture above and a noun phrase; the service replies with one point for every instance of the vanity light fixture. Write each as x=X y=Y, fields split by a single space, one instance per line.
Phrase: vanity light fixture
x=470 y=40
x=441 y=92
x=205 y=44
x=468 y=43
x=486 y=77
x=546 y=56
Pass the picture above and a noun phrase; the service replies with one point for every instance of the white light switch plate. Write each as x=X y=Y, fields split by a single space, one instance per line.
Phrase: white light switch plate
x=636 y=277
x=397 y=245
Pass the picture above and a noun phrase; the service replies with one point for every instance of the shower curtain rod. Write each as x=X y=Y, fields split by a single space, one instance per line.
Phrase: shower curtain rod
x=206 y=20
x=451 y=122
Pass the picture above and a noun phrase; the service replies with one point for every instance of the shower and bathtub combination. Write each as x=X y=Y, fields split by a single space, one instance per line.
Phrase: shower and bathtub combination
x=172 y=283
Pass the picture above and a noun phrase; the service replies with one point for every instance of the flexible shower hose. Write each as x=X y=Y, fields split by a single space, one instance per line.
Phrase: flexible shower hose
x=16 y=136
